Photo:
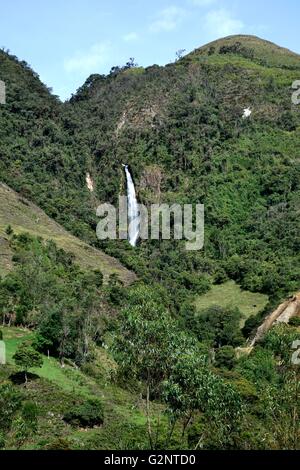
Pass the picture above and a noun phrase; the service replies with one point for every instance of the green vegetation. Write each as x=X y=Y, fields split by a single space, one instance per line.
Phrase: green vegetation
x=47 y=291
x=189 y=144
x=217 y=326
x=89 y=414
x=26 y=358
x=56 y=391
x=229 y=294
x=173 y=412
x=18 y=215
x=160 y=362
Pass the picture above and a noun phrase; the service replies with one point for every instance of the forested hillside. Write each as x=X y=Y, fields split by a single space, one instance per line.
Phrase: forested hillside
x=181 y=129
x=17 y=211
x=164 y=362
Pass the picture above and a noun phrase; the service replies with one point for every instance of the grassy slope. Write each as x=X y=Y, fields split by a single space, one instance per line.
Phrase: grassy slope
x=271 y=54
x=230 y=294
x=25 y=216
x=57 y=389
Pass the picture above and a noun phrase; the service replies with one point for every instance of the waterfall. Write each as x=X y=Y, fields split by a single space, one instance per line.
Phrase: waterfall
x=133 y=210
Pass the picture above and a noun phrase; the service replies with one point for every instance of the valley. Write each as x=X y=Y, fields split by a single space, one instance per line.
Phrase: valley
x=141 y=344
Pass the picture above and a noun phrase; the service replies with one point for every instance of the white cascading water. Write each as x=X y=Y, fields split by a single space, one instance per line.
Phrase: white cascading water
x=133 y=210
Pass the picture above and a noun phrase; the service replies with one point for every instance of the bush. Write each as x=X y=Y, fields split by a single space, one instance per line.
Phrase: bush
x=220 y=326
x=225 y=357
x=91 y=370
x=220 y=276
x=58 y=444
x=259 y=367
x=30 y=414
x=88 y=414
x=246 y=389
x=10 y=403
x=9 y=230
x=2 y=440
x=294 y=321
x=250 y=325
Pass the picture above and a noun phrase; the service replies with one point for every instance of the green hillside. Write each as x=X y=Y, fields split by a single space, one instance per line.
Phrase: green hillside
x=180 y=128
x=261 y=51
x=231 y=295
x=23 y=216
x=56 y=390
x=163 y=362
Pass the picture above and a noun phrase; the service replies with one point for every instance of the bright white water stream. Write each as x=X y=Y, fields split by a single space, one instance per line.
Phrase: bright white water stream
x=133 y=210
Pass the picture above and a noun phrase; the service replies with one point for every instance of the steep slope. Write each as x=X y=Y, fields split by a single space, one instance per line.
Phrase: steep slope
x=38 y=156
x=261 y=51
x=181 y=129
x=22 y=216
x=282 y=314
x=56 y=390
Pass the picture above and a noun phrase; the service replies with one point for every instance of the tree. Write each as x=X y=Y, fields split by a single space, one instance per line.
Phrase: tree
x=218 y=325
x=191 y=388
x=10 y=403
x=179 y=53
x=225 y=357
x=183 y=390
x=144 y=344
x=26 y=358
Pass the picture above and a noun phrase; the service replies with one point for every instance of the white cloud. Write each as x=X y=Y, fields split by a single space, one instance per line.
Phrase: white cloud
x=90 y=60
x=221 y=23
x=202 y=3
x=130 y=37
x=168 y=19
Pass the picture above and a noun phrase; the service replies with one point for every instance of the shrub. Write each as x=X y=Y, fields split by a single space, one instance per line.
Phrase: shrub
x=91 y=370
x=225 y=357
x=220 y=326
x=30 y=414
x=88 y=414
x=220 y=276
x=26 y=358
x=9 y=230
x=294 y=321
x=10 y=403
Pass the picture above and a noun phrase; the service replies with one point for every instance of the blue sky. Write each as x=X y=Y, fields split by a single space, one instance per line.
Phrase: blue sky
x=66 y=40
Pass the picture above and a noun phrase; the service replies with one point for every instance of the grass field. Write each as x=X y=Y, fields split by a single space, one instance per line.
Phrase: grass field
x=23 y=216
x=57 y=389
x=230 y=294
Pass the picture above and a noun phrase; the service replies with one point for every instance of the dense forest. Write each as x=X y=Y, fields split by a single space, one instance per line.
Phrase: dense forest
x=150 y=365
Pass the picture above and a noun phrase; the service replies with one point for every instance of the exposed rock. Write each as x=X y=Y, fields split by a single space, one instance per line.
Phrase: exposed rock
x=283 y=313
x=247 y=113
x=89 y=182
x=151 y=179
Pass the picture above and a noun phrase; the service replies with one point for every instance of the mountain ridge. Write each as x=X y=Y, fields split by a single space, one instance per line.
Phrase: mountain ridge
x=151 y=353
x=181 y=129
x=248 y=39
